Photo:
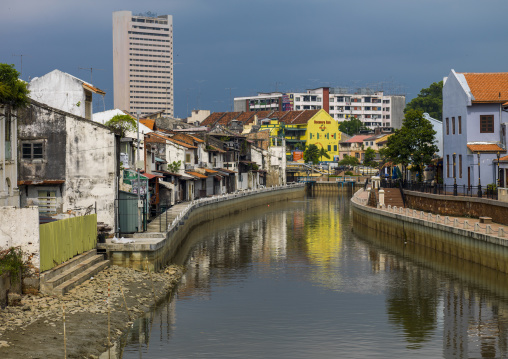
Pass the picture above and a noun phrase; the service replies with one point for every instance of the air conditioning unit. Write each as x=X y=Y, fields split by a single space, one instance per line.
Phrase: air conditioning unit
x=189 y=167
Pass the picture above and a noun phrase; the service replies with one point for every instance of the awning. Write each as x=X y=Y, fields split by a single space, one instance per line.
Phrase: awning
x=151 y=176
x=225 y=170
x=197 y=175
x=218 y=178
x=168 y=173
x=41 y=183
x=485 y=147
x=160 y=160
x=209 y=171
x=187 y=178
x=168 y=185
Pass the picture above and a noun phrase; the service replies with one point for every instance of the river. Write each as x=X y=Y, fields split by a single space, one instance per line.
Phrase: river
x=295 y=280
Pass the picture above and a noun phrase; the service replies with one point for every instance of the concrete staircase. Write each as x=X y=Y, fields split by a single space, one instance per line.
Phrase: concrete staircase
x=160 y=223
x=64 y=277
x=393 y=197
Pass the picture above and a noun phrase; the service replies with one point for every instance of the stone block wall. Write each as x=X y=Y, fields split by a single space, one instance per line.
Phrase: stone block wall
x=458 y=206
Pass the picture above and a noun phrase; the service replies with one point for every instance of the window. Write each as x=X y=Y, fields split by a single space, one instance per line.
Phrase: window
x=460 y=166
x=187 y=158
x=329 y=148
x=447 y=127
x=460 y=125
x=32 y=150
x=47 y=202
x=297 y=98
x=335 y=148
x=318 y=135
x=332 y=108
x=448 y=165
x=340 y=99
x=453 y=125
x=487 y=124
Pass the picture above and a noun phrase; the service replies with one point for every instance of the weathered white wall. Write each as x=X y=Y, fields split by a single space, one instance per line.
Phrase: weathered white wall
x=19 y=227
x=9 y=192
x=59 y=90
x=276 y=165
x=90 y=169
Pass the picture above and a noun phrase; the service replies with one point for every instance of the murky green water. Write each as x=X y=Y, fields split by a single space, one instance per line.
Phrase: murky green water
x=292 y=280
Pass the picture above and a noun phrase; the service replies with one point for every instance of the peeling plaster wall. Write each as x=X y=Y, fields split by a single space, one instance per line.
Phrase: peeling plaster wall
x=59 y=90
x=276 y=166
x=90 y=168
x=9 y=192
x=13 y=233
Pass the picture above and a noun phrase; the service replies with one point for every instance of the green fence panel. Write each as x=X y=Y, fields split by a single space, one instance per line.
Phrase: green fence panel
x=64 y=239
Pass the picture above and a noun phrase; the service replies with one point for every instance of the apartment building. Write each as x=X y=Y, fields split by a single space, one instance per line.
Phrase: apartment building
x=373 y=108
x=143 y=62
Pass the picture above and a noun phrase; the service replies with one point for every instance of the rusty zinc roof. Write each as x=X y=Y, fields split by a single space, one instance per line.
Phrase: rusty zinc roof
x=485 y=147
x=489 y=87
x=196 y=174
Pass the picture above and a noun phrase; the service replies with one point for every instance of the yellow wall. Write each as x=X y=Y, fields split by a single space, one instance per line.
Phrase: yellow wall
x=323 y=131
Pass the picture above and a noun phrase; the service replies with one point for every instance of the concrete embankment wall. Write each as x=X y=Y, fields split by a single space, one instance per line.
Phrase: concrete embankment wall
x=486 y=250
x=458 y=206
x=159 y=255
x=336 y=187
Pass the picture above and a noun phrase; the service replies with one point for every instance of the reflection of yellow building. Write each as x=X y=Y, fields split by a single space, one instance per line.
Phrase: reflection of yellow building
x=323 y=236
x=301 y=128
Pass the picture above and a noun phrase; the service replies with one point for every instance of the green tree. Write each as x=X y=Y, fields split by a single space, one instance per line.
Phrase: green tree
x=323 y=153
x=413 y=143
x=351 y=126
x=120 y=124
x=369 y=159
x=13 y=91
x=429 y=100
x=175 y=166
x=349 y=161
x=311 y=154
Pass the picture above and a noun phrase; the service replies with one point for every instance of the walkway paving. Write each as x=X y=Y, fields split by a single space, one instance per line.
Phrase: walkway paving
x=467 y=223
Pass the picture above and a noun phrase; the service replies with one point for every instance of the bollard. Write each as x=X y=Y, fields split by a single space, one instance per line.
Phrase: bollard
x=401 y=210
x=488 y=229
x=438 y=218
x=465 y=224
x=455 y=222
x=501 y=232
x=389 y=207
x=446 y=220
x=421 y=214
x=477 y=227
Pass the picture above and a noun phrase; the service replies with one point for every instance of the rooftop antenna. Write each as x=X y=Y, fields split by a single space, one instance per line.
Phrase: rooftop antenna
x=21 y=69
x=230 y=98
x=91 y=72
x=277 y=85
x=199 y=91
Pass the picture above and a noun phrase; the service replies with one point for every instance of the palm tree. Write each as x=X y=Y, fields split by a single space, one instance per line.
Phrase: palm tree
x=323 y=153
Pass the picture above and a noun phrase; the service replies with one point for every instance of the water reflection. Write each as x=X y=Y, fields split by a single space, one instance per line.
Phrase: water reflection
x=292 y=280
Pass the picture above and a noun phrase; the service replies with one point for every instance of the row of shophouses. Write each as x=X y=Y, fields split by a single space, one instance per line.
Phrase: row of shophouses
x=57 y=155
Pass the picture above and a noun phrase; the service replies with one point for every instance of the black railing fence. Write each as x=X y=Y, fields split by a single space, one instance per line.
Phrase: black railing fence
x=442 y=189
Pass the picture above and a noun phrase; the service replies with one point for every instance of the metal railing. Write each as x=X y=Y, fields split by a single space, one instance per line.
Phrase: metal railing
x=442 y=189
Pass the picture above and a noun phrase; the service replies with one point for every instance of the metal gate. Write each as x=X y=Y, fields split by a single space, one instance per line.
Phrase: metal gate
x=131 y=216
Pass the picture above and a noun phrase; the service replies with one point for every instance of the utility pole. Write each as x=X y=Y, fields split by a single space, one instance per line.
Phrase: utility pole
x=230 y=98
x=91 y=72
x=21 y=69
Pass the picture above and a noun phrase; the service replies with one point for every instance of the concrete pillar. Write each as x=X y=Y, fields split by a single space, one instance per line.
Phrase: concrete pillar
x=381 y=197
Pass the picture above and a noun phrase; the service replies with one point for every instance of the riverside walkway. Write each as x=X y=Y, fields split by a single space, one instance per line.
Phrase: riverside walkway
x=155 y=247
x=473 y=225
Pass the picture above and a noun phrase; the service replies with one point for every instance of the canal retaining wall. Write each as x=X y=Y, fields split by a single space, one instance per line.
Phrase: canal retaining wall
x=487 y=249
x=156 y=252
x=458 y=205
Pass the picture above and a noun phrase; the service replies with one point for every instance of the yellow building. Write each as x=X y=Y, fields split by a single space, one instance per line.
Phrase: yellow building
x=308 y=127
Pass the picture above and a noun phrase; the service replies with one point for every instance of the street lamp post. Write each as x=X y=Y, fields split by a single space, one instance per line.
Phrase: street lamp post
x=454 y=176
x=479 y=177
x=498 y=173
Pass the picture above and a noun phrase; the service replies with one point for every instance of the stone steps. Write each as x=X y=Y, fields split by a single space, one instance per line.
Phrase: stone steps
x=393 y=197
x=64 y=277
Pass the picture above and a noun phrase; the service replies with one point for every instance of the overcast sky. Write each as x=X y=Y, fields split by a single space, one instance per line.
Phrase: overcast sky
x=267 y=45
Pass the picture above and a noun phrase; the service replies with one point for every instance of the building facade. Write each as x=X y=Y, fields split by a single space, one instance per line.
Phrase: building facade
x=373 y=108
x=143 y=63
x=474 y=128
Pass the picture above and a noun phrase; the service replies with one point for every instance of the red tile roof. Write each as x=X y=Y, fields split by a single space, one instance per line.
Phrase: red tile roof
x=290 y=116
x=488 y=87
x=261 y=115
x=212 y=119
x=245 y=117
x=304 y=117
x=357 y=138
x=490 y=147
x=228 y=117
x=172 y=140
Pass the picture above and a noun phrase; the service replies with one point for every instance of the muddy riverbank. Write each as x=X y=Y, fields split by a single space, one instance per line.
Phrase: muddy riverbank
x=34 y=329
